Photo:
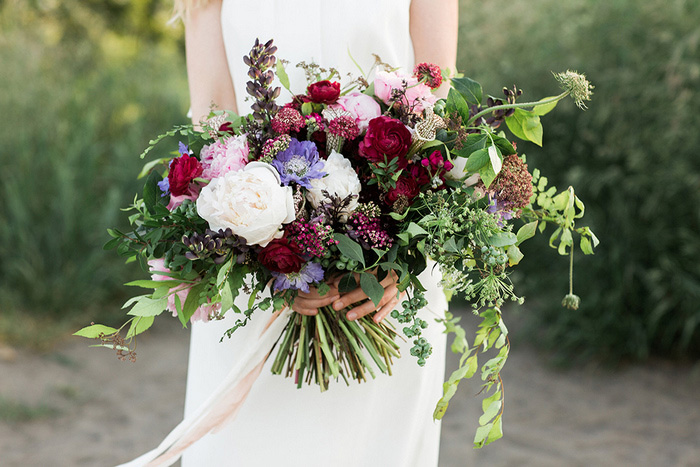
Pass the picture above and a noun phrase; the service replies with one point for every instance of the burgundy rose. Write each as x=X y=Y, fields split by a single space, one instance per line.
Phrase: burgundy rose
x=183 y=170
x=324 y=92
x=281 y=255
x=386 y=137
x=406 y=188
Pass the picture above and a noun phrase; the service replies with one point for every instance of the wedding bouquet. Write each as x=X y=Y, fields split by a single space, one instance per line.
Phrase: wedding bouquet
x=349 y=185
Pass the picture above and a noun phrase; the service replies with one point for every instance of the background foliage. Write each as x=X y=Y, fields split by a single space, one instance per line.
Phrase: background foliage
x=632 y=156
x=86 y=83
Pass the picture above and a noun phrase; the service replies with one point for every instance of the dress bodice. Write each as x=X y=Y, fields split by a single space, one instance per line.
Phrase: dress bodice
x=331 y=33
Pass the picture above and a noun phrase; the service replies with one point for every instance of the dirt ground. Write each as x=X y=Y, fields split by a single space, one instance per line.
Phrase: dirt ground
x=81 y=407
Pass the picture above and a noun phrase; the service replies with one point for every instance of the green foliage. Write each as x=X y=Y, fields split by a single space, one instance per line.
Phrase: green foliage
x=632 y=157
x=81 y=108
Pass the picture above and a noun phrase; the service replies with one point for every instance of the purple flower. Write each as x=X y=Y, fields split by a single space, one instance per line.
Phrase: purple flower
x=500 y=210
x=310 y=273
x=164 y=186
x=299 y=163
x=182 y=148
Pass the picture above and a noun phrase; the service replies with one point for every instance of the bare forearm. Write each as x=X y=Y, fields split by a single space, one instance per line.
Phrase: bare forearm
x=207 y=68
x=433 y=28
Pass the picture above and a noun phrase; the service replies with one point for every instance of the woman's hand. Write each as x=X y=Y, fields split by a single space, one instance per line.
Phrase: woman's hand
x=309 y=303
x=388 y=302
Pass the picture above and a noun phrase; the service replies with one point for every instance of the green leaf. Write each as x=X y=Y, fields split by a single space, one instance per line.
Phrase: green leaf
x=481 y=433
x=456 y=103
x=226 y=297
x=496 y=431
x=371 y=286
x=112 y=243
x=192 y=301
x=139 y=325
x=586 y=246
x=450 y=245
x=307 y=108
x=146 y=306
x=487 y=175
x=150 y=284
x=349 y=248
x=149 y=166
x=414 y=230
x=504 y=145
x=543 y=109
x=223 y=272
x=282 y=75
x=533 y=130
x=502 y=239
x=469 y=89
x=526 y=126
x=490 y=412
x=473 y=143
x=347 y=283
x=477 y=160
x=151 y=191
x=514 y=255
x=94 y=331
x=526 y=231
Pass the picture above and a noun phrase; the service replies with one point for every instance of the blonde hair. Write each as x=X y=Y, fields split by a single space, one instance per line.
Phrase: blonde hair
x=182 y=8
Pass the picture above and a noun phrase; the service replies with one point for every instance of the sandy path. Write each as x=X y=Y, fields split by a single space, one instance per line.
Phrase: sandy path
x=101 y=411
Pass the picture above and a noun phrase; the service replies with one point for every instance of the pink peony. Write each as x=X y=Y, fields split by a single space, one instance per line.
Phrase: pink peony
x=418 y=95
x=362 y=107
x=221 y=157
x=202 y=313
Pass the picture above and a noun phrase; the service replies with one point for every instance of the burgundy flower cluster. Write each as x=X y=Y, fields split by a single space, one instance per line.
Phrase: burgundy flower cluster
x=364 y=226
x=313 y=238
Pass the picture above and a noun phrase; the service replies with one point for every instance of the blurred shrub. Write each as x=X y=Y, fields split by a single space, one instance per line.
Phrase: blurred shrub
x=77 y=110
x=633 y=158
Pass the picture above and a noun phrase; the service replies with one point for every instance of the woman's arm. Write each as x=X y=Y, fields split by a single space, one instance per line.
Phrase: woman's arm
x=433 y=27
x=207 y=68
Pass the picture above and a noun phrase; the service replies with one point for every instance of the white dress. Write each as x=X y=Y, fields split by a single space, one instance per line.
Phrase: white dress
x=383 y=422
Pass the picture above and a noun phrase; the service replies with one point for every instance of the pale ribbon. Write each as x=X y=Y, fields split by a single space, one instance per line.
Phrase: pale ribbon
x=222 y=405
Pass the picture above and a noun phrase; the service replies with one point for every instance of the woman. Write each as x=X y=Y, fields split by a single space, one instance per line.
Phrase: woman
x=386 y=421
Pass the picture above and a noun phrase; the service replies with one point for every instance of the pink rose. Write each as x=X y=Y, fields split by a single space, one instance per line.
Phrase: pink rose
x=362 y=107
x=417 y=95
x=221 y=157
x=202 y=313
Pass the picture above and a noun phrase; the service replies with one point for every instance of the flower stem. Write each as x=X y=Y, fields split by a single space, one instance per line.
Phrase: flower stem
x=517 y=106
x=571 y=271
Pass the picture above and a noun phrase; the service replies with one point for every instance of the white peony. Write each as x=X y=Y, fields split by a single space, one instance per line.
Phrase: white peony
x=341 y=181
x=250 y=202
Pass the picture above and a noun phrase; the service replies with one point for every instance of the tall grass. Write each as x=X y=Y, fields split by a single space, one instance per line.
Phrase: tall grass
x=633 y=157
x=75 y=115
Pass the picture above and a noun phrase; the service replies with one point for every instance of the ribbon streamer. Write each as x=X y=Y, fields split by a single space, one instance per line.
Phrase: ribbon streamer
x=222 y=405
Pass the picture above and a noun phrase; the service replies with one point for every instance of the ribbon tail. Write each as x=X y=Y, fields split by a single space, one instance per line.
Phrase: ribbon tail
x=222 y=405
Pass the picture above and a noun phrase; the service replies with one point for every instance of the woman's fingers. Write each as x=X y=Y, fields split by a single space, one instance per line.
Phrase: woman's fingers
x=308 y=303
x=390 y=294
x=358 y=295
